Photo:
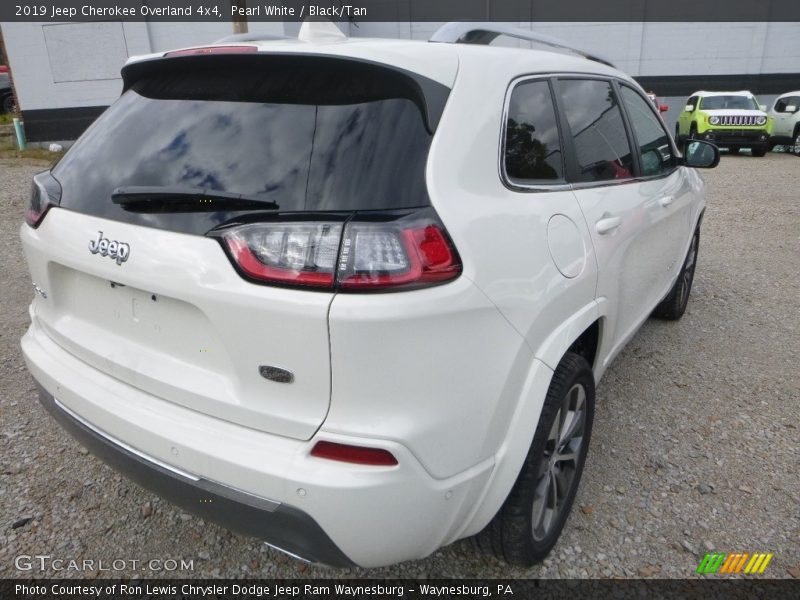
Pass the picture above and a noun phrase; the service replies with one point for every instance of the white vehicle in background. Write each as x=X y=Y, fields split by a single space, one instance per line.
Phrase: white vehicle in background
x=785 y=114
x=353 y=296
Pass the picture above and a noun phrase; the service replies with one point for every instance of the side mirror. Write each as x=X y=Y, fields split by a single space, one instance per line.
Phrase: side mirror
x=762 y=107
x=701 y=155
x=791 y=108
x=688 y=108
x=663 y=108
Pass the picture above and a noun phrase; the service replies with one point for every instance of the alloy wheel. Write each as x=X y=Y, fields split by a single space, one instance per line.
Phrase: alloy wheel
x=558 y=466
x=688 y=272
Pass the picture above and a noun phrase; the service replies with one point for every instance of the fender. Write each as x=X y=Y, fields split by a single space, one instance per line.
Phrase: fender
x=511 y=454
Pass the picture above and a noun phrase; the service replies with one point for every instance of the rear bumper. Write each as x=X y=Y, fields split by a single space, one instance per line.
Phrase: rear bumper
x=254 y=482
x=281 y=525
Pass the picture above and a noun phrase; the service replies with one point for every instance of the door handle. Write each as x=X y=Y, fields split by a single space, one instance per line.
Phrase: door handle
x=607 y=224
x=666 y=201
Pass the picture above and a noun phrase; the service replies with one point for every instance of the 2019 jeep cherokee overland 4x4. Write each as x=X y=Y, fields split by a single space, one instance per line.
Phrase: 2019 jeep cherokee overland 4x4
x=354 y=297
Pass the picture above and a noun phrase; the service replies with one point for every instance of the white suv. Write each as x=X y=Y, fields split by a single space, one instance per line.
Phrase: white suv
x=353 y=296
x=785 y=114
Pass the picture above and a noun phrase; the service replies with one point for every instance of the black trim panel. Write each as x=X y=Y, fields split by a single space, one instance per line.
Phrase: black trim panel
x=685 y=85
x=57 y=124
x=280 y=525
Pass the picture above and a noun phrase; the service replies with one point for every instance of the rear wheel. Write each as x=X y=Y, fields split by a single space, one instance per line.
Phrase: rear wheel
x=795 y=147
x=674 y=305
x=531 y=519
x=9 y=106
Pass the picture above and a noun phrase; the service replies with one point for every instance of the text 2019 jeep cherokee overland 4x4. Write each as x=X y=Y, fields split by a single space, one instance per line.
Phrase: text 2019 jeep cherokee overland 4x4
x=353 y=297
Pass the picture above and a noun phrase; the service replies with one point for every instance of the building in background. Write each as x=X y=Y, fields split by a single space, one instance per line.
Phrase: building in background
x=65 y=74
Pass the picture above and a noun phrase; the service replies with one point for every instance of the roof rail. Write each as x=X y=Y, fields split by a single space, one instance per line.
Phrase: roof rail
x=485 y=34
x=250 y=37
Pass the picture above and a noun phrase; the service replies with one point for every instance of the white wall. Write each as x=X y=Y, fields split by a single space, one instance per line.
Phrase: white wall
x=65 y=65
x=77 y=64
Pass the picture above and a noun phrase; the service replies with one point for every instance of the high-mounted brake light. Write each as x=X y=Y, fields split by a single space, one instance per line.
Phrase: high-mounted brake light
x=214 y=50
x=361 y=455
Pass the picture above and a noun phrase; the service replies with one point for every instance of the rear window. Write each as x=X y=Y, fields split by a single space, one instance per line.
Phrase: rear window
x=306 y=134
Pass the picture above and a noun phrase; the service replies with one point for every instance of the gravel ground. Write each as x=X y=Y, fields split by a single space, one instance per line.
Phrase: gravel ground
x=695 y=443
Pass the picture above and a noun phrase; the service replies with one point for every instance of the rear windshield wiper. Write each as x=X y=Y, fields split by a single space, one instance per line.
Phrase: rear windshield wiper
x=166 y=199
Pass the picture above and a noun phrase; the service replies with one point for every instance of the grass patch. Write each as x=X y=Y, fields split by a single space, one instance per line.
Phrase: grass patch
x=34 y=153
x=5 y=119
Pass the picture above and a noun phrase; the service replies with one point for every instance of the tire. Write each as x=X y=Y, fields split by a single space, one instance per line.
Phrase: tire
x=795 y=147
x=759 y=152
x=693 y=132
x=9 y=106
x=674 y=305
x=531 y=519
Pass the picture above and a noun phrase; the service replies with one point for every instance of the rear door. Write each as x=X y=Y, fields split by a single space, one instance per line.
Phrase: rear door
x=213 y=304
x=783 y=120
x=625 y=216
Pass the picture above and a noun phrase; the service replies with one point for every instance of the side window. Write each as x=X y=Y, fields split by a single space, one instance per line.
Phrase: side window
x=780 y=105
x=654 y=147
x=532 y=147
x=595 y=121
x=692 y=102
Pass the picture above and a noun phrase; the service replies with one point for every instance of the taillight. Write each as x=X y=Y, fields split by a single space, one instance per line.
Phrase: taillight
x=378 y=256
x=214 y=50
x=286 y=253
x=45 y=193
x=372 y=252
x=361 y=455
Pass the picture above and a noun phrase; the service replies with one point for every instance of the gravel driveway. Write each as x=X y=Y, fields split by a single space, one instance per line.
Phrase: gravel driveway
x=695 y=444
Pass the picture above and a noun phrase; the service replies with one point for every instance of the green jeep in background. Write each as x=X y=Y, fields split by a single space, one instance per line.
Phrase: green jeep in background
x=731 y=120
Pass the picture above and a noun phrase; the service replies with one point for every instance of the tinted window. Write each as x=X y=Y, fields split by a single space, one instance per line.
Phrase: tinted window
x=781 y=104
x=729 y=102
x=533 y=149
x=654 y=147
x=360 y=142
x=598 y=131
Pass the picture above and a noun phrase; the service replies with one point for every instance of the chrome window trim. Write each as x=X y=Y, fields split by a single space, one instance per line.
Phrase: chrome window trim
x=558 y=185
x=562 y=185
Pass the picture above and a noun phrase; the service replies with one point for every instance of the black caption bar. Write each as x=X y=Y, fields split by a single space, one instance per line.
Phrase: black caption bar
x=403 y=10
x=401 y=589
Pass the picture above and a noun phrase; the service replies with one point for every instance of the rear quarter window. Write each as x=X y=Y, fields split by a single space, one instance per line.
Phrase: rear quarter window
x=532 y=151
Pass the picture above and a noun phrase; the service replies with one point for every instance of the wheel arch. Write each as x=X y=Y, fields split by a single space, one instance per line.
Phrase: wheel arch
x=582 y=334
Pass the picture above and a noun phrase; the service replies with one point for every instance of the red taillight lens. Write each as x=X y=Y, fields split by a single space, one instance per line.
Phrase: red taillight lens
x=45 y=193
x=377 y=256
x=214 y=50
x=372 y=252
x=360 y=455
x=301 y=254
